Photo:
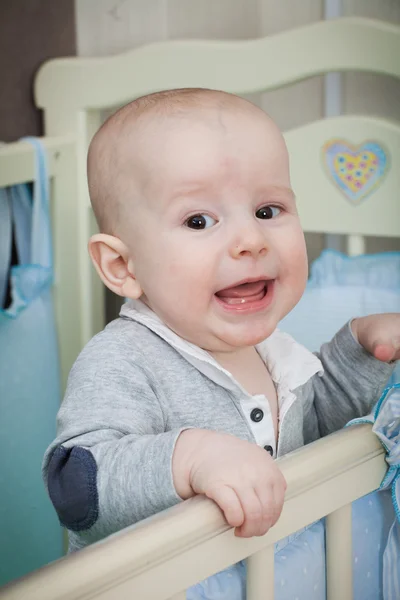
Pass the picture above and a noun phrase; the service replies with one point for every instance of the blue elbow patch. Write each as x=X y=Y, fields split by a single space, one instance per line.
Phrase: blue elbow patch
x=72 y=485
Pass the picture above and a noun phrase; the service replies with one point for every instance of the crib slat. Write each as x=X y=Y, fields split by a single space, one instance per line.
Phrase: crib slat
x=355 y=245
x=339 y=555
x=260 y=575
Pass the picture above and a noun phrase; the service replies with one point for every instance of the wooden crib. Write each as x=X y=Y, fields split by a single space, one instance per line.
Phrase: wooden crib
x=161 y=557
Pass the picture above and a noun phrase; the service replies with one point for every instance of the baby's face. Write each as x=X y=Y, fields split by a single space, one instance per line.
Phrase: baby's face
x=215 y=239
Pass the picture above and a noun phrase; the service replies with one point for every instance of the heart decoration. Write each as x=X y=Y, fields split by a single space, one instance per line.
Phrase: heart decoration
x=356 y=170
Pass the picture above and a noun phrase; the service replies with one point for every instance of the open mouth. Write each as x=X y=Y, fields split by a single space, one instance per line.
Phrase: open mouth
x=246 y=294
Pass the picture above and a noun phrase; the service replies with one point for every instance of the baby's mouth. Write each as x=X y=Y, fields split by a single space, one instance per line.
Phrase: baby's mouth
x=251 y=291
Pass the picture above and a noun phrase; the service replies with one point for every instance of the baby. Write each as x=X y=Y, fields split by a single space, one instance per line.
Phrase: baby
x=194 y=390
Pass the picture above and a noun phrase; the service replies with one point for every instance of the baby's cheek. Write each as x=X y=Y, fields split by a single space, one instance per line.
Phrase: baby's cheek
x=295 y=269
x=295 y=255
x=186 y=280
x=301 y=266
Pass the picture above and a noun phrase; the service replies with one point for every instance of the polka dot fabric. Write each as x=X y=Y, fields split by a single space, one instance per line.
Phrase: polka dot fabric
x=373 y=516
x=300 y=570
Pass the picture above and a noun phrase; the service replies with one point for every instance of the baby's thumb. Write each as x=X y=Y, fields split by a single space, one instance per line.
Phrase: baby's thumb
x=384 y=352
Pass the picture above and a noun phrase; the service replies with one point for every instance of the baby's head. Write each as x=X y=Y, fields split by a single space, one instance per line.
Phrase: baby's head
x=192 y=194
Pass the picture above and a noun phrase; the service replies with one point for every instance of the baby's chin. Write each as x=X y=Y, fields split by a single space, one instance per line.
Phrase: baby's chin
x=217 y=337
x=231 y=341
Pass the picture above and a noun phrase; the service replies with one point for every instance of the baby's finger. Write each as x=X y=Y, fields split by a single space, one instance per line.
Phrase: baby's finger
x=279 y=497
x=229 y=503
x=253 y=514
x=272 y=497
x=270 y=510
x=385 y=352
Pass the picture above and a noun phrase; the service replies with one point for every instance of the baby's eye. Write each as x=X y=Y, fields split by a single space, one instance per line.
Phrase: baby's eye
x=268 y=212
x=200 y=222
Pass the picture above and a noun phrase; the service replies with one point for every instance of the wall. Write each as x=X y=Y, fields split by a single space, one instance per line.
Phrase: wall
x=30 y=33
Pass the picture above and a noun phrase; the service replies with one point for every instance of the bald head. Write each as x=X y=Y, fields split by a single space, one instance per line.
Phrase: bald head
x=113 y=153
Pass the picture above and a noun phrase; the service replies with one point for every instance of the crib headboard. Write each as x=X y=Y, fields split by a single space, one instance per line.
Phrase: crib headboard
x=341 y=168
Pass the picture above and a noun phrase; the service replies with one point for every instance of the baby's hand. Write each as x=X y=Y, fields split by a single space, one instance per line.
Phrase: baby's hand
x=240 y=477
x=380 y=335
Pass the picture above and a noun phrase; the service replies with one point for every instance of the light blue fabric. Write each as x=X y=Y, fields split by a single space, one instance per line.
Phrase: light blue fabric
x=299 y=571
x=340 y=288
x=372 y=518
x=29 y=382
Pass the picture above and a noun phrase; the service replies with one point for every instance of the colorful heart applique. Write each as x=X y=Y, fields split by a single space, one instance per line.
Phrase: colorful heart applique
x=356 y=170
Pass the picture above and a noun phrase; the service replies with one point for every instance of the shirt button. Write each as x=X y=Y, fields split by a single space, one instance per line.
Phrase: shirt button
x=256 y=415
x=269 y=449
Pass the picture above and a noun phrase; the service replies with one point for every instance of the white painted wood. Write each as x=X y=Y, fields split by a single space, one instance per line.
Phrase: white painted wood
x=260 y=575
x=356 y=245
x=240 y=67
x=82 y=125
x=67 y=300
x=339 y=554
x=17 y=160
x=322 y=206
x=190 y=541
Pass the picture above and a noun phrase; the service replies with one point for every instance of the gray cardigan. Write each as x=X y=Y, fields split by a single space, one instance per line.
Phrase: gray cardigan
x=132 y=391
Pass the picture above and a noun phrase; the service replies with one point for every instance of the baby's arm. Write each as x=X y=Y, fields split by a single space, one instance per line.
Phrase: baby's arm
x=352 y=382
x=113 y=461
x=110 y=465
x=379 y=335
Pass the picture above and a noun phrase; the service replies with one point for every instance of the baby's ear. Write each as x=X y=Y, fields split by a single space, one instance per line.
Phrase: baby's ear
x=111 y=259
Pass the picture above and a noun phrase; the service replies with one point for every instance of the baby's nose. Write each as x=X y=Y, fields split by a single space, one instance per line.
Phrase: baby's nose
x=251 y=242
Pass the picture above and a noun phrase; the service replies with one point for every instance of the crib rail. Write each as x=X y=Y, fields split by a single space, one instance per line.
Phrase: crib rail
x=17 y=160
x=164 y=555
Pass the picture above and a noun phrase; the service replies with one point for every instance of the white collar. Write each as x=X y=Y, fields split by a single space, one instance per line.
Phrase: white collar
x=289 y=364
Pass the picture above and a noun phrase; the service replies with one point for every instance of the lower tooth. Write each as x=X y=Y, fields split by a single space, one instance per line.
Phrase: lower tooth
x=235 y=300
